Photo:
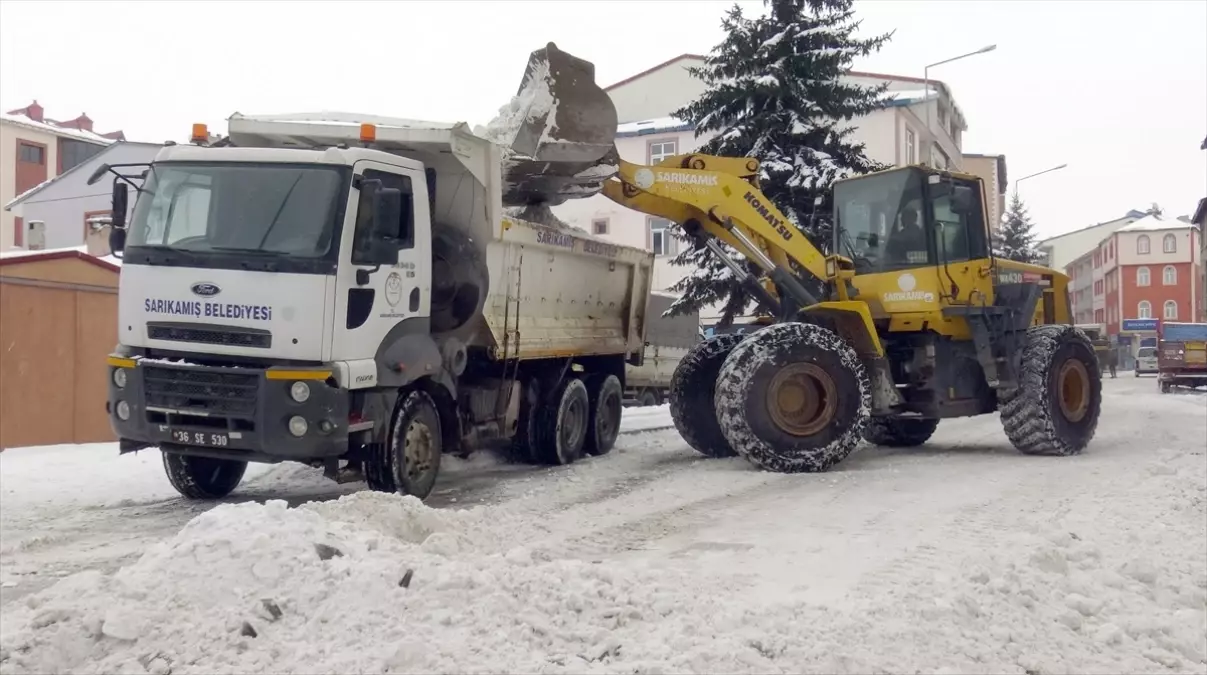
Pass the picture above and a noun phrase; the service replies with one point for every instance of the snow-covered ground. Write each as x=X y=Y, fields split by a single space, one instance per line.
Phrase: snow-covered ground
x=959 y=557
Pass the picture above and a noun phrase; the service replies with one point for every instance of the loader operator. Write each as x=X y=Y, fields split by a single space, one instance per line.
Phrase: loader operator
x=907 y=242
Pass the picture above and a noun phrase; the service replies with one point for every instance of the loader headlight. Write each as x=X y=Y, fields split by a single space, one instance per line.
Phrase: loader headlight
x=300 y=392
x=119 y=378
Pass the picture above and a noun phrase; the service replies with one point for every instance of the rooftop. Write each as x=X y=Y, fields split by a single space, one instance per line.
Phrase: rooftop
x=14 y=256
x=1154 y=221
x=32 y=117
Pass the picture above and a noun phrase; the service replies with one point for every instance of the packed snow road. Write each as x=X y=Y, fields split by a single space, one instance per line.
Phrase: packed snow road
x=960 y=556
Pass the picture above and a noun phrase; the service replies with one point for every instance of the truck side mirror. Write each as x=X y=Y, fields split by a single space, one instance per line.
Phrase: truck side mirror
x=117 y=218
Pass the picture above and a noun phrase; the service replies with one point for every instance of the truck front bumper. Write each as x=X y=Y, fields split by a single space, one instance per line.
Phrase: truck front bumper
x=237 y=413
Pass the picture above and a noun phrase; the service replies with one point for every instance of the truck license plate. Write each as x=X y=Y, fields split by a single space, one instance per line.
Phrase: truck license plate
x=202 y=438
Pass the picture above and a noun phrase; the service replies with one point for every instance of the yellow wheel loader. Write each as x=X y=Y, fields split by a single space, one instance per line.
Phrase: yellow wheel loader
x=909 y=320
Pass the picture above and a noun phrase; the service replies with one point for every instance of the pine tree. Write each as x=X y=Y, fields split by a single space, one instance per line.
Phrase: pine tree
x=774 y=94
x=1016 y=239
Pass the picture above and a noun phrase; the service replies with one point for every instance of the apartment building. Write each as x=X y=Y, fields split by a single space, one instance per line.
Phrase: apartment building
x=1149 y=269
x=895 y=135
x=1059 y=251
x=35 y=149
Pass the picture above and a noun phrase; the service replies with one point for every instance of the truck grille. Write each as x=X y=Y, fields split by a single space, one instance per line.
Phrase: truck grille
x=215 y=392
x=212 y=335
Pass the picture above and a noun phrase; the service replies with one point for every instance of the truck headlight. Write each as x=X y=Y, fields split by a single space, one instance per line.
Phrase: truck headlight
x=119 y=378
x=298 y=426
x=300 y=392
x=123 y=411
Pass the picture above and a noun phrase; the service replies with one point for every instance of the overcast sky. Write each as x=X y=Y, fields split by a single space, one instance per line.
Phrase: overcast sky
x=1115 y=89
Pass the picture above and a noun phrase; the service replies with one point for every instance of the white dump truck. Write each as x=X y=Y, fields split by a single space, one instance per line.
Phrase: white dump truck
x=667 y=341
x=350 y=292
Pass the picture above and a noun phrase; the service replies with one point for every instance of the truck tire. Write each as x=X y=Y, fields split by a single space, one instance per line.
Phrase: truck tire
x=1054 y=411
x=460 y=279
x=647 y=398
x=379 y=476
x=793 y=398
x=203 y=477
x=606 y=396
x=692 y=387
x=415 y=444
x=560 y=428
x=907 y=432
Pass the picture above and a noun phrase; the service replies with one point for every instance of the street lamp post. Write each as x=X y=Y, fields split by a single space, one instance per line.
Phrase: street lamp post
x=1037 y=173
x=930 y=136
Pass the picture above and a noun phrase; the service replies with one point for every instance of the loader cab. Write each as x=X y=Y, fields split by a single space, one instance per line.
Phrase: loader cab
x=908 y=218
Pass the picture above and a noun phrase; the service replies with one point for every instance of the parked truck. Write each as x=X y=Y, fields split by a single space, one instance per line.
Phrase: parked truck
x=667 y=340
x=350 y=292
x=1181 y=355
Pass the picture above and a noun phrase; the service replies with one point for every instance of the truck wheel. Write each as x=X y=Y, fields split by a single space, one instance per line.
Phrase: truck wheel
x=1054 y=410
x=415 y=445
x=692 y=387
x=202 y=477
x=792 y=398
x=560 y=429
x=907 y=432
x=376 y=468
x=647 y=398
x=606 y=396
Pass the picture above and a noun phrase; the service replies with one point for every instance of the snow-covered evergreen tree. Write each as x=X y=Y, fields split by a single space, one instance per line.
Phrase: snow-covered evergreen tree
x=1016 y=238
x=774 y=94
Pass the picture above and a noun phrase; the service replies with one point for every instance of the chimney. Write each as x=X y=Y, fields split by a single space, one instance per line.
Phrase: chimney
x=33 y=111
x=96 y=238
x=83 y=123
x=35 y=236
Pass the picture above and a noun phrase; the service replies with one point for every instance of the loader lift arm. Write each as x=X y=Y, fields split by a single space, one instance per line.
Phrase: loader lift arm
x=718 y=198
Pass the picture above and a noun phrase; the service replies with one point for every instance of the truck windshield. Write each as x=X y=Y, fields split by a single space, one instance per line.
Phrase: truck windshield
x=879 y=221
x=273 y=209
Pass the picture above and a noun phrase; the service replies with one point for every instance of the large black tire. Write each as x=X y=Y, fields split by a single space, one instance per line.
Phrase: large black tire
x=905 y=432
x=606 y=398
x=692 y=388
x=415 y=445
x=460 y=279
x=647 y=397
x=560 y=427
x=203 y=477
x=793 y=398
x=1054 y=410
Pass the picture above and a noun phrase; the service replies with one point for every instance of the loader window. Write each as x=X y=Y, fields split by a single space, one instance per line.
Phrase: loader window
x=959 y=236
x=880 y=221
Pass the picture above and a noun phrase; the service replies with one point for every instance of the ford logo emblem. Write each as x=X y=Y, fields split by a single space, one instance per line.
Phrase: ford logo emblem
x=205 y=289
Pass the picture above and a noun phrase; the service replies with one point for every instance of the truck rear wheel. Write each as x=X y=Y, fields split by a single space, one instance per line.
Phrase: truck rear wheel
x=793 y=398
x=906 y=432
x=560 y=428
x=1054 y=410
x=692 y=388
x=415 y=444
x=648 y=397
x=203 y=477
x=606 y=396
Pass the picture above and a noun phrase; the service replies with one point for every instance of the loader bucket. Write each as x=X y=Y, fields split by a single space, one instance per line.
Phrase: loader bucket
x=566 y=117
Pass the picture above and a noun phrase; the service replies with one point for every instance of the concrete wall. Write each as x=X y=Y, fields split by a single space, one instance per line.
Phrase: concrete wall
x=986 y=168
x=64 y=204
x=657 y=93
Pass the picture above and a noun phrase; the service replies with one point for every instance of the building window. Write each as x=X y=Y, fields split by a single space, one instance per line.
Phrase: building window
x=599 y=226
x=1142 y=276
x=662 y=240
x=33 y=154
x=1171 y=310
x=1144 y=310
x=1142 y=244
x=660 y=150
x=74 y=153
x=911 y=147
x=1169 y=276
x=1099 y=317
x=1169 y=244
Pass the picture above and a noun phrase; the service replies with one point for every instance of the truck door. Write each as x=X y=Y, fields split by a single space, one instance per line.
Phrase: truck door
x=370 y=302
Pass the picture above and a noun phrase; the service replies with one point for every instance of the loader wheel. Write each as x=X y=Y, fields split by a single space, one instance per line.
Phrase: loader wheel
x=793 y=398
x=203 y=477
x=1054 y=410
x=905 y=432
x=415 y=444
x=606 y=396
x=560 y=429
x=693 y=386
